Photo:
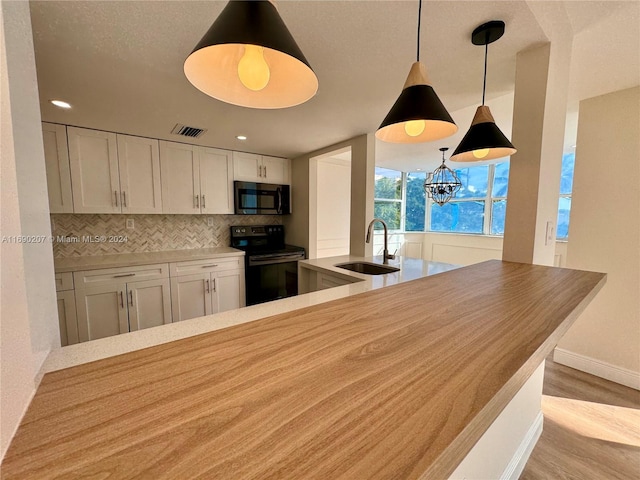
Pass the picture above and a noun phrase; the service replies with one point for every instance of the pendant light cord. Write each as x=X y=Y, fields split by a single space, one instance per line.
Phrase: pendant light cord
x=484 y=80
x=419 y=17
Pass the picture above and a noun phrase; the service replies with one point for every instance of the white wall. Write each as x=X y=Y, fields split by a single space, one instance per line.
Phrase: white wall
x=333 y=204
x=301 y=225
x=605 y=230
x=453 y=248
x=28 y=313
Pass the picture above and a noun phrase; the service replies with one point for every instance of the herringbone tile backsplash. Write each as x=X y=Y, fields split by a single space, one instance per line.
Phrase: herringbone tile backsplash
x=79 y=235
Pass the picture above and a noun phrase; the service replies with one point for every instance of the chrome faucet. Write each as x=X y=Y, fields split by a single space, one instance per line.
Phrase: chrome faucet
x=385 y=253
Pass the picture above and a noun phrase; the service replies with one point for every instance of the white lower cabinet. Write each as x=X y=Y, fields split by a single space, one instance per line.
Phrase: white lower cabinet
x=217 y=287
x=112 y=301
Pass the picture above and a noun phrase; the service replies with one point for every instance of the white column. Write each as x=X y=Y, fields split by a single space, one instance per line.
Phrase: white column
x=28 y=300
x=539 y=114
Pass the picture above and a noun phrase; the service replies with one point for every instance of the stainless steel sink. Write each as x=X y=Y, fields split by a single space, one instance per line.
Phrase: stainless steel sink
x=368 y=268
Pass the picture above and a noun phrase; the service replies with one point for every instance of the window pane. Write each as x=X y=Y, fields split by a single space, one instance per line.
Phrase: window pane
x=566 y=178
x=388 y=184
x=500 y=180
x=497 y=217
x=389 y=212
x=474 y=182
x=463 y=217
x=564 y=209
x=416 y=202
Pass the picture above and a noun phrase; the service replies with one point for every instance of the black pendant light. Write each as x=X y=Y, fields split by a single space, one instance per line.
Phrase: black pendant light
x=249 y=58
x=484 y=140
x=443 y=184
x=418 y=114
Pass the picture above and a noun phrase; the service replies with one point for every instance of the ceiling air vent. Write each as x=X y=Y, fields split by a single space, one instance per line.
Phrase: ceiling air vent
x=186 y=131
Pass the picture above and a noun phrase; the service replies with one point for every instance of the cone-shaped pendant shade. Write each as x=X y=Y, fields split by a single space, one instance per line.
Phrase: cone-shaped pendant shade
x=418 y=115
x=249 y=58
x=483 y=141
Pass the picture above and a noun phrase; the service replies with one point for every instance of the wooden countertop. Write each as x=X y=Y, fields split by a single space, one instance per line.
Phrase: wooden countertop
x=395 y=383
x=115 y=260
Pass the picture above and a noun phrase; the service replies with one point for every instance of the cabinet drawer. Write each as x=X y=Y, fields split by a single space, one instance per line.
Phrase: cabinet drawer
x=202 y=266
x=92 y=278
x=328 y=281
x=64 y=281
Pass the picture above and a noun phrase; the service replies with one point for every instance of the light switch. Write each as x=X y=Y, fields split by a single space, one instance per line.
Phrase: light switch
x=548 y=239
x=130 y=224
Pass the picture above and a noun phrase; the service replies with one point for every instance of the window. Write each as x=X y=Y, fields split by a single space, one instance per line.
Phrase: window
x=416 y=207
x=566 y=187
x=388 y=198
x=499 y=197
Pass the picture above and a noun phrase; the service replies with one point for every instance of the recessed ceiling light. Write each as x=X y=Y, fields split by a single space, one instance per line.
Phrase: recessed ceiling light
x=241 y=137
x=61 y=104
x=418 y=169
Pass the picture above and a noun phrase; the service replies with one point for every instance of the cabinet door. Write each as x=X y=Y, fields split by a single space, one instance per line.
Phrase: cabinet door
x=67 y=318
x=102 y=311
x=228 y=290
x=216 y=181
x=275 y=170
x=247 y=167
x=180 y=178
x=56 y=159
x=191 y=296
x=139 y=166
x=93 y=156
x=149 y=304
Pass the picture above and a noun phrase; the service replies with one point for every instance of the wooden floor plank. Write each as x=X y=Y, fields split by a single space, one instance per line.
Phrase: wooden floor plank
x=591 y=429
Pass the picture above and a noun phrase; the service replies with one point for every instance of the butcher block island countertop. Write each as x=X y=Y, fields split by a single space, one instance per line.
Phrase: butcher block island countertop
x=396 y=383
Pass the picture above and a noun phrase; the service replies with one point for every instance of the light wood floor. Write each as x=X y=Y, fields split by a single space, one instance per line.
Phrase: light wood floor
x=591 y=429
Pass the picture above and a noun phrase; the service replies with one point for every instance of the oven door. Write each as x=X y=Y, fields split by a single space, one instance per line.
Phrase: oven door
x=261 y=198
x=270 y=281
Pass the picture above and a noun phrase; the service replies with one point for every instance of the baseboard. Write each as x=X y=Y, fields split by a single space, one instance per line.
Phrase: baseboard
x=601 y=369
x=520 y=458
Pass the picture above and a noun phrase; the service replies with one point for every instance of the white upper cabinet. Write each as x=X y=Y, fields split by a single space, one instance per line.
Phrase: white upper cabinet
x=196 y=179
x=249 y=167
x=216 y=180
x=56 y=158
x=139 y=167
x=275 y=170
x=93 y=157
x=180 y=178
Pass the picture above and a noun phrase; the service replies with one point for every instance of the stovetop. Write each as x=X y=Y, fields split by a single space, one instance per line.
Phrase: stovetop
x=262 y=240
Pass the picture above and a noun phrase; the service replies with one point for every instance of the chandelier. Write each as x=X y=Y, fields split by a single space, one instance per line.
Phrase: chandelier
x=443 y=184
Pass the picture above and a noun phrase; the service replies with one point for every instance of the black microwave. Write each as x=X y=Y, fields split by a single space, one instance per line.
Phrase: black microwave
x=252 y=198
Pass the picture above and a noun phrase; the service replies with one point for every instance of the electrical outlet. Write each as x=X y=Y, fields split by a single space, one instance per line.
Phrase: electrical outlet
x=210 y=221
x=130 y=224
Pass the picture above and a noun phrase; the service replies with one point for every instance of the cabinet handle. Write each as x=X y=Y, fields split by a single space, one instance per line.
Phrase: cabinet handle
x=124 y=198
x=214 y=284
x=121 y=300
x=209 y=266
x=208 y=289
x=203 y=204
x=131 y=296
x=124 y=275
x=259 y=170
x=265 y=171
x=197 y=201
x=115 y=194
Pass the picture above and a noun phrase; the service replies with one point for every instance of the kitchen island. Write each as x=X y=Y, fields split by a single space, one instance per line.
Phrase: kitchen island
x=396 y=382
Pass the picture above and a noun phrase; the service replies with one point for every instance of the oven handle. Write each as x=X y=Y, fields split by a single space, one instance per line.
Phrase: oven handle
x=276 y=259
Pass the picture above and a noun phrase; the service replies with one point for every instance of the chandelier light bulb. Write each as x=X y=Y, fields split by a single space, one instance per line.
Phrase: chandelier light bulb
x=481 y=153
x=253 y=69
x=413 y=128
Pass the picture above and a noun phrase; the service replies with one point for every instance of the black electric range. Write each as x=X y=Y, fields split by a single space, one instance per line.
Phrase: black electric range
x=271 y=266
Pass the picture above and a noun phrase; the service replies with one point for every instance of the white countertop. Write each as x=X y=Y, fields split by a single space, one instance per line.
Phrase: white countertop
x=80 y=353
x=115 y=260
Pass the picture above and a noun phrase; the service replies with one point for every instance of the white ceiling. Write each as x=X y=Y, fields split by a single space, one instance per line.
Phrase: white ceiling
x=120 y=65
